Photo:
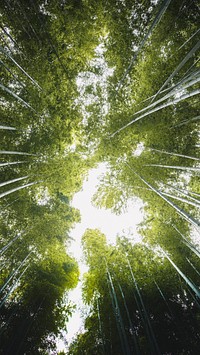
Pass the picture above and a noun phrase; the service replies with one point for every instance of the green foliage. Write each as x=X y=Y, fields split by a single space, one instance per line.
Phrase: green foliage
x=147 y=290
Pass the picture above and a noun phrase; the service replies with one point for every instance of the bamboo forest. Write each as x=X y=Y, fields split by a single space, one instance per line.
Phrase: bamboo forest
x=84 y=83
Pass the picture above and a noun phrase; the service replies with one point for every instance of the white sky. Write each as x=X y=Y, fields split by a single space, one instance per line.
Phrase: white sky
x=109 y=224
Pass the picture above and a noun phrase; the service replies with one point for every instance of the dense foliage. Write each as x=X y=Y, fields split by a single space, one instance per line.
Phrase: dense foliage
x=85 y=82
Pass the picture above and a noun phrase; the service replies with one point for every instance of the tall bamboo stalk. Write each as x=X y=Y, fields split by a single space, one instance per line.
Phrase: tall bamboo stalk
x=164 y=299
x=157 y=19
x=198 y=273
x=13 y=180
x=100 y=325
x=181 y=64
x=185 y=193
x=136 y=347
x=12 y=74
x=10 y=37
x=149 y=329
x=116 y=318
x=196 y=118
x=194 y=34
x=187 y=242
x=8 y=128
x=13 y=287
x=185 y=278
x=195 y=204
x=19 y=66
x=184 y=84
x=15 y=272
x=3 y=194
x=16 y=97
x=158 y=108
x=3 y=250
x=15 y=153
x=182 y=213
x=174 y=154
x=119 y=321
x=12 y=163
x=186 y=168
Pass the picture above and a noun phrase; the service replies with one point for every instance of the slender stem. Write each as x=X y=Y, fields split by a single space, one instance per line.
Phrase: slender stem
x=193 y=266
x=173 y=102
x=155 y=22
x=13 y=180
x=197 y=205
x=13 y=287
x=187 y=242
x=174 y=154
x=185 y=215
x=13 y=75
x=16 y=96
x=15 y=153
x=196 y=118
x=23 y=71
x=175 y=167
x=183 y=62
x=17 y=189
x=185 y=193
x=8 y=128
x=188 y=282
x=13 y=163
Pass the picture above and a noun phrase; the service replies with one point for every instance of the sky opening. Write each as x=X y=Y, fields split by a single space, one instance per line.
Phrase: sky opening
x=108 y=223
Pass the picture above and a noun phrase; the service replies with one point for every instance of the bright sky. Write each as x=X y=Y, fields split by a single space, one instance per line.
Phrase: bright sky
x=109 y=223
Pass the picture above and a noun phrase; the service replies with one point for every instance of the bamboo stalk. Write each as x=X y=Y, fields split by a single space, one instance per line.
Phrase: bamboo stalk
x=174 y=154
x=14 y=272
x=182 y=199
x=185 y=193
x=13 y=75
x=13 y=180
x=155 y=22
x=174 y=167
x=185 y=278
x=196 y=118
x=13 y=287
x=3 y=194
x=183 y=62
x=19 y=66
x=16 y=96
x=187 y=242
x=8 y=128
x=14 y=152
x=182 y=213
x=158 y=108
x=12 y=163
x=147 y=322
